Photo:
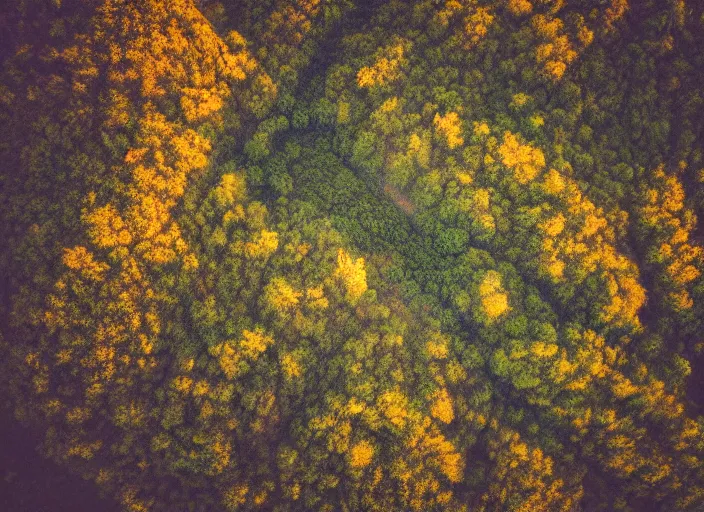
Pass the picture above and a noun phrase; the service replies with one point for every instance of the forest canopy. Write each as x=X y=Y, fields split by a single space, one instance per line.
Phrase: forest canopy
x=347 y=255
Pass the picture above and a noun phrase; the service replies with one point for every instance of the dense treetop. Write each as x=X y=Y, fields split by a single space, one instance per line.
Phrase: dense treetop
x=344 y=255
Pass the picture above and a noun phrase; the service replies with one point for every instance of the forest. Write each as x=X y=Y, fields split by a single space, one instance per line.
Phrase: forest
x=357 y=255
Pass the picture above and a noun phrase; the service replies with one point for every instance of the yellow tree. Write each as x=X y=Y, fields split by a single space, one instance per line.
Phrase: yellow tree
x=449 y=128
x=494 y=300
x=353 y=275
x=386 y=68
x=524 y=160
x=281 y=296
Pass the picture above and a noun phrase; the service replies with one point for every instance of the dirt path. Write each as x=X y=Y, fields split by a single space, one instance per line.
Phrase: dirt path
x=401 y=200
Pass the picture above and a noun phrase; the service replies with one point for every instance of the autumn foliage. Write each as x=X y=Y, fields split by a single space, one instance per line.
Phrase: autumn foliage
x=339 y=255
